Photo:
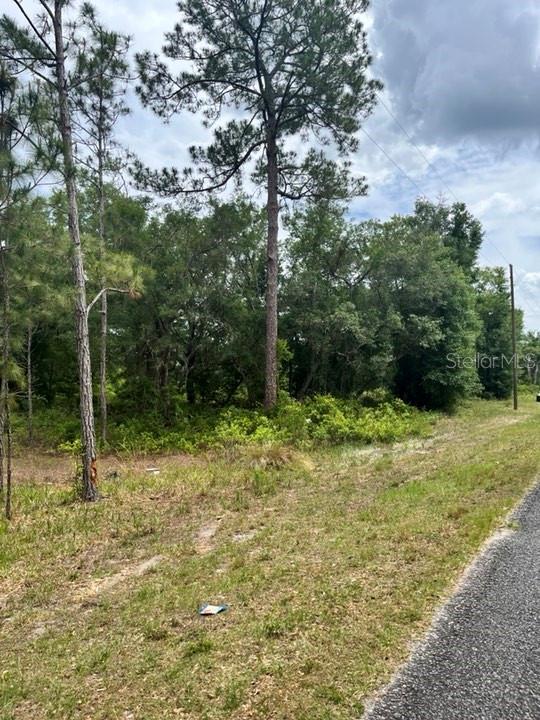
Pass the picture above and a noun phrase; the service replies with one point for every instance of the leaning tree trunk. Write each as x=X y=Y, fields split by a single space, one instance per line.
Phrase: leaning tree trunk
x=272 y=209
x=89 y=466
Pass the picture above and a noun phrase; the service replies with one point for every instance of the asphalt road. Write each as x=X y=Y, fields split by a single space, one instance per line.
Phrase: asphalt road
x=481 y=658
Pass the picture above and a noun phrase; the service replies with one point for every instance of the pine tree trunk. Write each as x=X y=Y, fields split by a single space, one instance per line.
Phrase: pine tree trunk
x=4 y=388
x=104 y=308
x=272 y=209
x=103 y=368
x=7 y=431
x=2 y=449
x=5 y=422
x=104 y=304
x=89 y=466
x=29 y=380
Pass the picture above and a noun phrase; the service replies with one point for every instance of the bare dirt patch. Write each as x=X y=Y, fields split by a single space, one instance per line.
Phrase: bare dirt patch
x=58 y=469
x=96 y=587
x=204 y=540
x=244 y=536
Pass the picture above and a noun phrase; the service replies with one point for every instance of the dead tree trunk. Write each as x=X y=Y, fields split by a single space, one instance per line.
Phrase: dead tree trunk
x=272 y=209
x=89 y=465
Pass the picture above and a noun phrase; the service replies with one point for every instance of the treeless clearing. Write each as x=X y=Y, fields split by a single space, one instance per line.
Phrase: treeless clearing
x=60 y=469
x=331 y=564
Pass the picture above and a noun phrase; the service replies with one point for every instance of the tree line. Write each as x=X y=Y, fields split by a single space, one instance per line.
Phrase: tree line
x=363 y=305
x=199 y=300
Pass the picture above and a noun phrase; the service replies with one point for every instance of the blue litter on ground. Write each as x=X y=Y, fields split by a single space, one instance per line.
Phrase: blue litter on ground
x=209 y=609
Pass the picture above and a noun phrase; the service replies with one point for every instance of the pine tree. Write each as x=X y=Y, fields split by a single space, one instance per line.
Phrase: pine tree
x=40 y=47
x=20 y=172
x=100 y=101
x=294 y=71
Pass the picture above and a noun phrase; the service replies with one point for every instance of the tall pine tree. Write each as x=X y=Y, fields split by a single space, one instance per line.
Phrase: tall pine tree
x=103 y=70
x=40 y=46
x=296 y=76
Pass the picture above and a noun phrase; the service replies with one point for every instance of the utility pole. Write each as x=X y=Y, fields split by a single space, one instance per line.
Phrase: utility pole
x=514 y=352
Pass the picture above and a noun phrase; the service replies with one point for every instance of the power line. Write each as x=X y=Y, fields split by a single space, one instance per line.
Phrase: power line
x=528 y=301
x=409 y=178
x=487 y=240
x=431 y=166
x=417 y=148
x=529 y=298
x=401 y=170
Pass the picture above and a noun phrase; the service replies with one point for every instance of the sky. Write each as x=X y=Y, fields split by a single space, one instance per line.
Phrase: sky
x=460 y=119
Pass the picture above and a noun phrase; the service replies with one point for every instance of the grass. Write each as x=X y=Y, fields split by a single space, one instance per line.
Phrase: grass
x=331 y=562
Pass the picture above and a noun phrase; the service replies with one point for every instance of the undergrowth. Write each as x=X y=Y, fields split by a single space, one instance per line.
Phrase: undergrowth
x=321 y=420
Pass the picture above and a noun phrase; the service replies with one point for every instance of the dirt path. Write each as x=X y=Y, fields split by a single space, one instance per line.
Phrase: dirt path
x=59 y=469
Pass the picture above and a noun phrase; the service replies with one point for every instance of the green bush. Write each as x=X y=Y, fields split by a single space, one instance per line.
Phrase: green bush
x=376 y=398
x=323 y=419
x=237 y=426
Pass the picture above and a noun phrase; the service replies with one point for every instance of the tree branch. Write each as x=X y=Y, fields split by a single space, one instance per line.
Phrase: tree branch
x=40 y=35
x=100 y=293
x=47 y=9
x=25 y=65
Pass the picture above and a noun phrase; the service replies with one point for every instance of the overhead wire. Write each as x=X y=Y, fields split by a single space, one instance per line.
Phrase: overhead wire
x=530 y=299
x=391 y=159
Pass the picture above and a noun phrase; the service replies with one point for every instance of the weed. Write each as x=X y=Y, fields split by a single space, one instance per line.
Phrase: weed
x=344 y=571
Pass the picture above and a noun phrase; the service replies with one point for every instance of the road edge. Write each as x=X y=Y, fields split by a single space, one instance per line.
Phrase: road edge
x=473 y=571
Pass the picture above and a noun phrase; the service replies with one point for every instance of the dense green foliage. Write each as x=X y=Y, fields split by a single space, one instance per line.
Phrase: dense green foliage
x=495 y=338
x=178 y=297
x=365 y=305
x=320 y=420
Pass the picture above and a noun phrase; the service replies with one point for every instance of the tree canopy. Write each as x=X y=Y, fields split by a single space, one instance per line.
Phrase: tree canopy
x=295 y=74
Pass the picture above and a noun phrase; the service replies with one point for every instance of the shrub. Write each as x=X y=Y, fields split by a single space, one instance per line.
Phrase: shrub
x=238 y=426
x=376 y=398
x=323 y=419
